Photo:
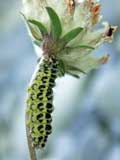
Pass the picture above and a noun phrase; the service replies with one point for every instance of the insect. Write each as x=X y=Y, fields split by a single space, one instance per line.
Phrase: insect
x=57 y=59
x=40 y=101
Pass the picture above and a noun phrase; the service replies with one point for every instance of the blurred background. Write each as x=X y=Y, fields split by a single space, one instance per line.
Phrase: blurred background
x=86 y=120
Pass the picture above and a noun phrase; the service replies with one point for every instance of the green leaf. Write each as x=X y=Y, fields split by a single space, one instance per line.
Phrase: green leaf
x=40 y=26
x=72 y=68
x=71 y=35
x=73 y=75
x=56 y=27
x=83 y=46
x=61 y=68
x=68 y=49
x=37 y=43
x=31 y=29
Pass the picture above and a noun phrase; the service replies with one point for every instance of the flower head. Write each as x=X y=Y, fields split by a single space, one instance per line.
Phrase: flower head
x=66 y=29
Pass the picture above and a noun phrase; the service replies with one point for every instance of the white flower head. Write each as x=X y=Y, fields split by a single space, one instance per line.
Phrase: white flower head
x=76 y=54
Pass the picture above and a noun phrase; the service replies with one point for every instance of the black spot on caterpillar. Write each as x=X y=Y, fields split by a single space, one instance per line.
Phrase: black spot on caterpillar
x=40 y=102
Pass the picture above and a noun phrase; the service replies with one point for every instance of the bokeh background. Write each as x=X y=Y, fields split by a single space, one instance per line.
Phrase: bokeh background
x=86 y=120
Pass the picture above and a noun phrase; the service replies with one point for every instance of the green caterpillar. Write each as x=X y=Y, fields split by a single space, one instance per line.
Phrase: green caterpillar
x=40 y=102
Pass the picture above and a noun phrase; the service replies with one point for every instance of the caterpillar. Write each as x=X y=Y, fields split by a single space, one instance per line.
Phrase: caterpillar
x=40 y=102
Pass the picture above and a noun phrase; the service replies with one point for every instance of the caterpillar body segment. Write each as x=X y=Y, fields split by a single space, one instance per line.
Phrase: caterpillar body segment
x=40 y=101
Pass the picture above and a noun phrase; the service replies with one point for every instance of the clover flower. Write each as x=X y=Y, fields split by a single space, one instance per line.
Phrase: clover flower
x=73 y=14
x=65 y=32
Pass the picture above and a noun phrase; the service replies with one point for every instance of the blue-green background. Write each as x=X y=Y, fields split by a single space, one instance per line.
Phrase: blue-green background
x=86 y=119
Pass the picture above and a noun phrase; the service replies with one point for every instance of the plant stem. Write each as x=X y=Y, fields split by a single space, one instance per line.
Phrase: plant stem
x=31 y=148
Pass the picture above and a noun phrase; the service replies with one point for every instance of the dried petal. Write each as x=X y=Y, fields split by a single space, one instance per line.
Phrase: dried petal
x=104 y=59
x=71 y=5
x=109 y=31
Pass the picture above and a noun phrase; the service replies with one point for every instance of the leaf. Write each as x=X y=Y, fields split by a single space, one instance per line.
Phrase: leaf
x=71 y=35
x=73 y=75
x=68 y=49
x=56 y=27
x=37 y=43
x=40 y=26
x=31 y=29
x=72 y=68
x=83 y=46
x=61 y=68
